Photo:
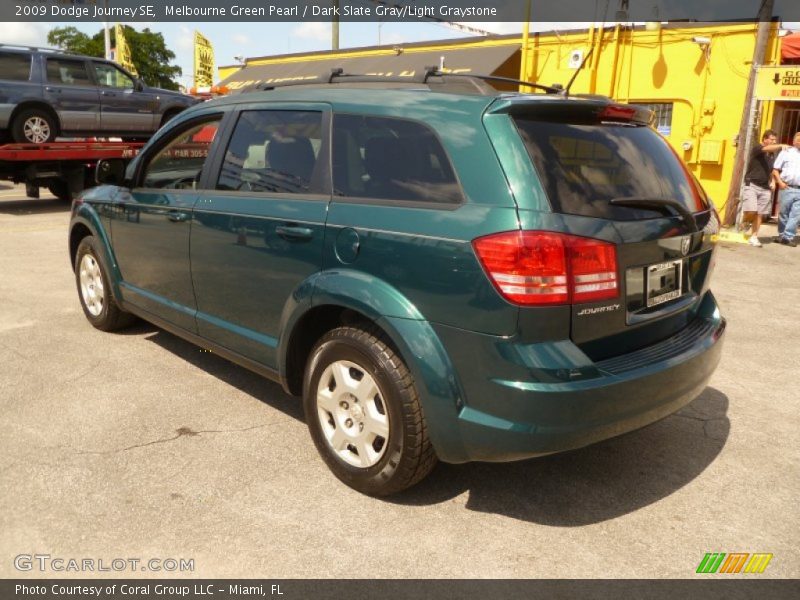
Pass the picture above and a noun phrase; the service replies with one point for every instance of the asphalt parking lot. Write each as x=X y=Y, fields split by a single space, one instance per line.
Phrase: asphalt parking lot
x=141 y=445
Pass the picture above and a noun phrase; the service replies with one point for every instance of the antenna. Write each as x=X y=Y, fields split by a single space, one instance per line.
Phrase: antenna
x=578 y=70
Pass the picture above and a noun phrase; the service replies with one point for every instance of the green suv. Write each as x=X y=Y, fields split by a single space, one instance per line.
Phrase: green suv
x=439 y=271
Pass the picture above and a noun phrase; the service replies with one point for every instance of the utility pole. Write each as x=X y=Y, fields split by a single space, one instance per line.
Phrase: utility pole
x=107 y=35
x=524 y=56
x=747 y=123
x=335 y=26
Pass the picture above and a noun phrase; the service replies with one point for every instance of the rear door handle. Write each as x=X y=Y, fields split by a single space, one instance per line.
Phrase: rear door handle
x=108 y=93
x=53 y=90
x=294 y=232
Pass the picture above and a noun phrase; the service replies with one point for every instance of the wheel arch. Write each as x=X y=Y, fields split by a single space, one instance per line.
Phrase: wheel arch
x=345 y=298
x=38 y=104
x=170 y=113
x=86 y=222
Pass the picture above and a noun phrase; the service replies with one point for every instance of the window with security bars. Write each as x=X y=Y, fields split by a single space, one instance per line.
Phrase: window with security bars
x=662 y=115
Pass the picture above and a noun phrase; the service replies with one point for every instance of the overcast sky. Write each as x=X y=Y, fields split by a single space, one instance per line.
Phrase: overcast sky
x=262 y=39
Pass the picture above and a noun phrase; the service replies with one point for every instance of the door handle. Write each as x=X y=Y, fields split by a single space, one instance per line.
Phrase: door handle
x=177 y=216
x=293 y=232
x=53 y=90
x=108 y=93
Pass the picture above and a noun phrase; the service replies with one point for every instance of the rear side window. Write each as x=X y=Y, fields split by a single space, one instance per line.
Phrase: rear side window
x=179 y=164
x=15 y=66
x=273 y=151
x=67 y=72
x=583 y=167
x=392 y=159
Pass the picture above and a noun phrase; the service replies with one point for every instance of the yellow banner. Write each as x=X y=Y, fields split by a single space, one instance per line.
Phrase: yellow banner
x=203 y=61
x=122 y=54
x=778 y=83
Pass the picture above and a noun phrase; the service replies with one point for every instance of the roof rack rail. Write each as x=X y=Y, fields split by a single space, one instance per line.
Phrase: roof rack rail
x=338 y=75
x=556 y=88
x=27 y=47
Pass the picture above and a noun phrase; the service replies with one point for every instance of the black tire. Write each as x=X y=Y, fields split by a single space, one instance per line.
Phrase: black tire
x=407 y=454
x=38 y=117
x=105 y=315
x=60 y=190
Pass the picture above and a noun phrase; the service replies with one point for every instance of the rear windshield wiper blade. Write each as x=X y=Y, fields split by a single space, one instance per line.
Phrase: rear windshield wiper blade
x=659 y=204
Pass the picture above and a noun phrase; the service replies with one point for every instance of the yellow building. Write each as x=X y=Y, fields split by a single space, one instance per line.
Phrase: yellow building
x=694 y=77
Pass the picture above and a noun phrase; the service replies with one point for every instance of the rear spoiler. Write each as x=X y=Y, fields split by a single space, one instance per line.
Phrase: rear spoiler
x=575 y=110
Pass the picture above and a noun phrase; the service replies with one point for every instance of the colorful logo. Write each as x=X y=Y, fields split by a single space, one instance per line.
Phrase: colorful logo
x=735 y=562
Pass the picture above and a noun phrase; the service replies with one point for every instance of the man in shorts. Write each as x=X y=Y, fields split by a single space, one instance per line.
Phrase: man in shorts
x=759 y=183
x=787 y=176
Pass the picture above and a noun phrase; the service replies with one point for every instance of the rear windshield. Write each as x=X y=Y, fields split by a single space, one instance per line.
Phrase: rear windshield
x=583 y=167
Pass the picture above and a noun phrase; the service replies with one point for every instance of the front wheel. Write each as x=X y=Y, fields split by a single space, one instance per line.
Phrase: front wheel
x=364 y=413
x=94 y=289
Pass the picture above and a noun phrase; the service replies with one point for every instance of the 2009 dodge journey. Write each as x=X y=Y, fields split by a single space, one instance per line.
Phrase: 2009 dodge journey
x=440 y=270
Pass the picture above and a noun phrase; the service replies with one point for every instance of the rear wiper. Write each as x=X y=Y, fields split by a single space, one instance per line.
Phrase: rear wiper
x=659 y=204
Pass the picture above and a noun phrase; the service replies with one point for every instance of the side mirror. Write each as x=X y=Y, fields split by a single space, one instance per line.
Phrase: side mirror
x=110 y=171
x=138 y=85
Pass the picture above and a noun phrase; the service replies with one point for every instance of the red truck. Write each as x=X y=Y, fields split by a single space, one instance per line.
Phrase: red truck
x=64 y=168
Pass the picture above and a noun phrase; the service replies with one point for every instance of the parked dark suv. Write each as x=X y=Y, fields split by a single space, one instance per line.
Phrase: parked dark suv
x=461 y=276
x=46 y=93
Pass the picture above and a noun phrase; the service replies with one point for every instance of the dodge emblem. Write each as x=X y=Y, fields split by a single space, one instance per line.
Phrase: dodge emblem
x=686 y=242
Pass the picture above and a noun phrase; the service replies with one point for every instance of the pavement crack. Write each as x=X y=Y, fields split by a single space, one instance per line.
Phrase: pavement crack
x=705 y=421
x=83 y=373
x=179 y=433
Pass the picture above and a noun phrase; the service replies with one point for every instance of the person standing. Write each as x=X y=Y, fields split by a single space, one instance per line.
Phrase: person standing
x=758 y=183
x=787 y=172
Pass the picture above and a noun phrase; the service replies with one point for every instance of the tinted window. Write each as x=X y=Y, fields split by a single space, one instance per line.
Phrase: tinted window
x=582 y=167
x=273 y=151
x=662 y=115
x=15 y=66
x=178 y=164
x=68 y=72
x=111 y=76
x=395 y=159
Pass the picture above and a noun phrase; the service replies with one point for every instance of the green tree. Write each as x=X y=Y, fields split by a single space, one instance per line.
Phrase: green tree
x=148 y=51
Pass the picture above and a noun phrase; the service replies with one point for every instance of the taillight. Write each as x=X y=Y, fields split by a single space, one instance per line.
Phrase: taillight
x=617 y=111
x=543 y=267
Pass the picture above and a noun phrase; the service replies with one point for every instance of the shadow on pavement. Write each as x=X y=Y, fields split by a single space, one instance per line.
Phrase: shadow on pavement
x=594 y=484
x=252 y=384
x=590 y=485
x=33 y=206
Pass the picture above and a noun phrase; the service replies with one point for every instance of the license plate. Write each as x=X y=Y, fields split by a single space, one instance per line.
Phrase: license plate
x=664 y=282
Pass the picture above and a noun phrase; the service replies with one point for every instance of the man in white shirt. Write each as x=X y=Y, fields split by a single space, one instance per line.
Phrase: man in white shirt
x=787 y=171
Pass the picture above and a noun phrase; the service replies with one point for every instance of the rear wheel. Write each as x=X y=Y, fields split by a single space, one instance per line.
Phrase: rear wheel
x=33 y=126
x=60 y=190
x=94 y=289
x=364 y=414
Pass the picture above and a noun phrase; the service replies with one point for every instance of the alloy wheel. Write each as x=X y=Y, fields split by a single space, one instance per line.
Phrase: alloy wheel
x=91 y=282
x=36 y=130
x=352 y=414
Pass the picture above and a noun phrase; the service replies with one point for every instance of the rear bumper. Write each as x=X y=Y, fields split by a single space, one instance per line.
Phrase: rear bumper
x=527 y=400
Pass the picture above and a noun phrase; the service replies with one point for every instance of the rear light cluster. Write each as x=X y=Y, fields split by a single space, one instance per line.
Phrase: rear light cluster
x=543 y=267
x=618 y=111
